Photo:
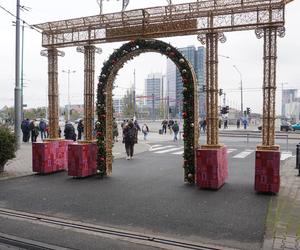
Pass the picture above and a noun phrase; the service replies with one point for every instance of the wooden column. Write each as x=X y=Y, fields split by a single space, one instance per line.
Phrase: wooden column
x=89 y=83
x=212 y=89
x=53 y=93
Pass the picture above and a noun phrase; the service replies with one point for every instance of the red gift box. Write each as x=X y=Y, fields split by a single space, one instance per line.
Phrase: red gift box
x=82 y=159
x=212 y=167
x=267 y=171
x=49 y=156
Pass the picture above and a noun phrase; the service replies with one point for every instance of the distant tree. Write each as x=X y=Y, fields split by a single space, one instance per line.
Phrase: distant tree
x=128 y=104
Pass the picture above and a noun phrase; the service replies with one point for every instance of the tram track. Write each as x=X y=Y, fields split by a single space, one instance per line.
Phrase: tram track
x=135 y=237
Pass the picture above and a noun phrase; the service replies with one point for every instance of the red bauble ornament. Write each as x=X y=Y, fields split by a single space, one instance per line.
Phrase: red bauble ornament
x=184 y=114
x=172 y=54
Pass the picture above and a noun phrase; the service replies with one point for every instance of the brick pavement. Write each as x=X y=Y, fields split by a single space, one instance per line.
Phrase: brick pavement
x=283 y=220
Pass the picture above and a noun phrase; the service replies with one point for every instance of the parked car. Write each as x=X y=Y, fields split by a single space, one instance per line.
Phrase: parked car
x=296 y=126
x=286 y=128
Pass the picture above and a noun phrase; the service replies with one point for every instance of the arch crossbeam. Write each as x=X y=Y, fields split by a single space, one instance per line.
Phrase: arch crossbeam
x=182 y=19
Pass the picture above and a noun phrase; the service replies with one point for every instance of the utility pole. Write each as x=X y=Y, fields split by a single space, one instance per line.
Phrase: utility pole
x=153 y=111
x=69 y=102
x=153 y=108
x=134 y=107
x=168 y=101
x=282 y=100
x=18 y=110
x=22 y=73
x=242 y=103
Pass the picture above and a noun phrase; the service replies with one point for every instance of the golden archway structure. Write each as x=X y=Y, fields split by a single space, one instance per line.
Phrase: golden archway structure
x=209 y=19
x=105 y=104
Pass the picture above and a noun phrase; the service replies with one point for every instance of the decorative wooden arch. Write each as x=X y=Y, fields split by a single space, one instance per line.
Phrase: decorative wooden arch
x=105 y=104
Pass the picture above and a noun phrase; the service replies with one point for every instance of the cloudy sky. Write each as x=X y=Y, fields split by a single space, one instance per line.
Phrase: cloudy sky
x=243 y=48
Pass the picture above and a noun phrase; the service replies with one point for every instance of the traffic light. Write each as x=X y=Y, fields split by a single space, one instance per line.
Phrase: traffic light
x=203 y=88
x=248 y=111
x=226 y=109
x=220 y=92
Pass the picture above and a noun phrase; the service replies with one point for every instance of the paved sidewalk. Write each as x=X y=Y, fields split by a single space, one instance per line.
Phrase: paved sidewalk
x=22 y=164
x=283 y=221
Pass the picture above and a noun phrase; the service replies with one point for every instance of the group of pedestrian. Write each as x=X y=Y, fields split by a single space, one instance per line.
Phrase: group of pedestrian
x=31 y=129
x=169 y=124
x=130 y=130
x=172 y=126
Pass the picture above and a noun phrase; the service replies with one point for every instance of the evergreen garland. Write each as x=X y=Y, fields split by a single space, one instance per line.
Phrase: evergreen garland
x=131 y=48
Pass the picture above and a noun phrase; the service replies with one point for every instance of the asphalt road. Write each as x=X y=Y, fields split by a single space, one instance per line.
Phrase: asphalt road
x=148 y=195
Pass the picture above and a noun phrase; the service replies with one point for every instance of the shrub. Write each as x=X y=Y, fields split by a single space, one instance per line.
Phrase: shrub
x=7 y=145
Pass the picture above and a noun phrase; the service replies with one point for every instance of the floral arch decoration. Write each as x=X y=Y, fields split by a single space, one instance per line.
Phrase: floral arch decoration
x=105 y=104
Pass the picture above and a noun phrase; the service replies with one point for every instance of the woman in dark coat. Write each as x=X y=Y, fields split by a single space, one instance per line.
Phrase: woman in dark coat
x=69 y=132
x=129 y=134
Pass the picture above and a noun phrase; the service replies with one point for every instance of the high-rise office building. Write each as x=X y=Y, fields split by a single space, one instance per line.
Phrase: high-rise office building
x=153 y=91
x=288 y=96
x=197 y=58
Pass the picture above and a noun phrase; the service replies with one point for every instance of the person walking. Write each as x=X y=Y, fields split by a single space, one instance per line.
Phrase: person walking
x=164 y=126
x=25 y=130
x=115 y=130
x=225 y=124
x=42 y=127
x=145 y=131
x=175 y=130
x=245 y=123
x=69 y=131
x=170 y=125
x=204 y=126
x=129 y=134
x=238 y=123
x=34 y=129
x=138 y=128
x=80 y=129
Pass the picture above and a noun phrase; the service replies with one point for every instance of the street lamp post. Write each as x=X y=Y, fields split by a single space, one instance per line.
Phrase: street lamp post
x=69 y=102
x=241 y=81
x=124 y=5
x=17 y=121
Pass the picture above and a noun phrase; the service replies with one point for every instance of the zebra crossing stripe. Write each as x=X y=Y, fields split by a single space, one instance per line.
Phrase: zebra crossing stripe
x=230 y=150
x=244 y=154
x=163 y=147
x=178 y=153
x=156 y=145
x=167 y=150
x=285 y=155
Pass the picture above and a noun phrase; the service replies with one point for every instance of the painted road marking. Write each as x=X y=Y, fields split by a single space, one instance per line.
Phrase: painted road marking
x=178 y=153
x=168 y=150
x=285 y=155
x=244 y=154
x=159 y=148
x=230 y=150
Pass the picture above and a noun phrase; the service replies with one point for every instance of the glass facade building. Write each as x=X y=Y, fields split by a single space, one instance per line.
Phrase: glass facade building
x=196 y=56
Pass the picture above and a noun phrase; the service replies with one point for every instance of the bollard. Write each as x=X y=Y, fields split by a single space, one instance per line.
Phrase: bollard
x=298 y=158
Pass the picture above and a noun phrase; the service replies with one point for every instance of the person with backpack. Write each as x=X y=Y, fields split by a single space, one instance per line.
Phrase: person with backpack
x=80 y=129
x=129 y=134
x=25 y=130
x=42 y=127
x=145 y=131
x=175 y=130
x=69 y=131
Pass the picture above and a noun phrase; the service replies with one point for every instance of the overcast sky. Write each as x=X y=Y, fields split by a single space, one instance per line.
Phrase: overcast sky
x=243 y=48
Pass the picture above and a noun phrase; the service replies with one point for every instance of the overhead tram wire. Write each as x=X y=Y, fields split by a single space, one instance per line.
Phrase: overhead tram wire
x=29 y=25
